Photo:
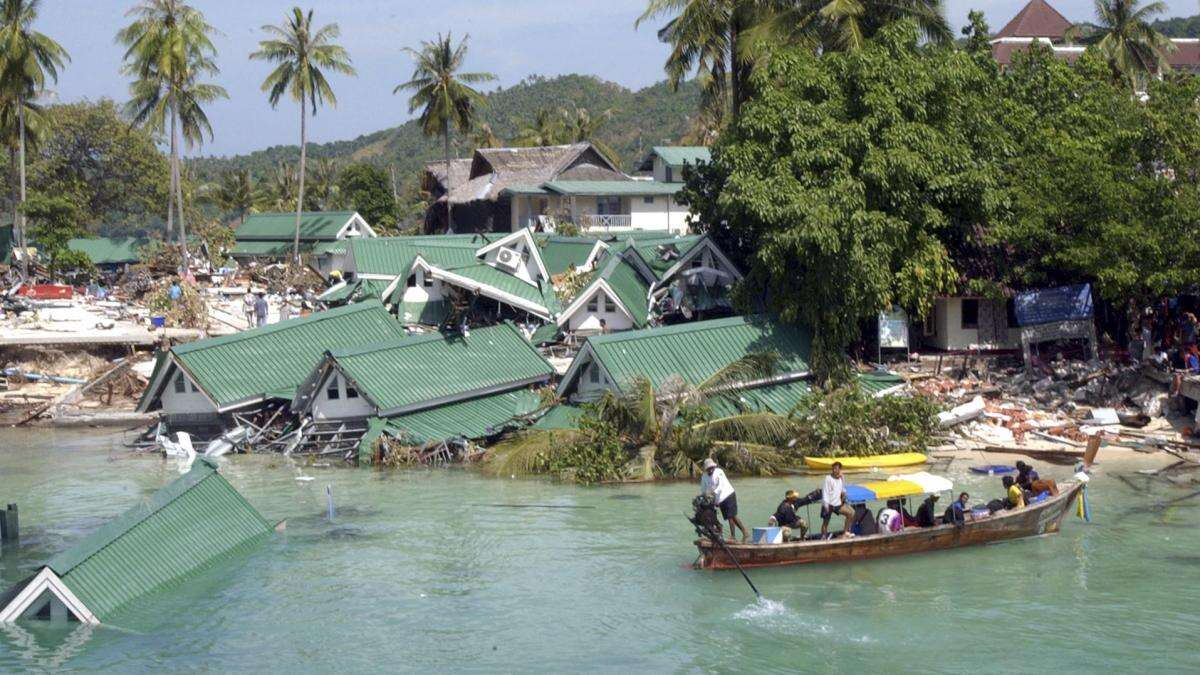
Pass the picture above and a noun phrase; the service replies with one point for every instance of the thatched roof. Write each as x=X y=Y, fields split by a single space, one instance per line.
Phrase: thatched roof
x=491 y=170
x=434 y=180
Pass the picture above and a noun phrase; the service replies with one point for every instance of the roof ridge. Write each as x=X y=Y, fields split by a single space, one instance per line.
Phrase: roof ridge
x=280 y=326
x=692 y=327
x=412 y=340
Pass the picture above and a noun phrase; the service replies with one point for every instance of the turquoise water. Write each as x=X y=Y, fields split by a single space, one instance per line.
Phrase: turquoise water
x=415 y=574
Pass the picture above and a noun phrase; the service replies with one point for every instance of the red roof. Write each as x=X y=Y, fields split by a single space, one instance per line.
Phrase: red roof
x=1003 y=52
x=1037 y=19
x=1186 y=55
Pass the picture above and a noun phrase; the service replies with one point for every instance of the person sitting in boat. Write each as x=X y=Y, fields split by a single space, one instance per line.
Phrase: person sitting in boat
x=925 y=517
x=890 y=519
x=833 y=500
x=1032 y=484
x=714 y=484
x=1016 y=496
x=906 y=519
x=957 y=511
x=787 y=518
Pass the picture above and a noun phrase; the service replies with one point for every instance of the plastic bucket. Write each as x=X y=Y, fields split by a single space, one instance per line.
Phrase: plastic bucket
x=158 y=321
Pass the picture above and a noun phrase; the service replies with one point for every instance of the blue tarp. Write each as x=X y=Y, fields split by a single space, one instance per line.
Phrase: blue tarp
x=1049 y=305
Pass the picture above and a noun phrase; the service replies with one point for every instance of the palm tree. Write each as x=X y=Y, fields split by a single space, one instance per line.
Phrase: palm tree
x=303 y=53
x=662 y=433
x=444 y=95
x=580 y=126
x=1133 y=49
x=546 y=128
x=484 y=137
x=279 y=191
x=235 y=193
x=11 y=129
x=27 y=58
x=326 y=193
x=168 y=49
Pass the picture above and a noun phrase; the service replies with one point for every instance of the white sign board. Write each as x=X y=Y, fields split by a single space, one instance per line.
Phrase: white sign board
x=893 y=329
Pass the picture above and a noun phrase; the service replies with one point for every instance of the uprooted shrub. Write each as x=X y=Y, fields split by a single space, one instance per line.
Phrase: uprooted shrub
x=846 y=422
x=189 y=311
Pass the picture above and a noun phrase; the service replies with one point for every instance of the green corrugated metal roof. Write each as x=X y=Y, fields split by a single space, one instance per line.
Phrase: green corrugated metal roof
x=696 y=351
x=179 y=529
x=630 y=287
x=355 y=291
x=266 y=249
x=109 y=250
x=524 y=189
x=561 y=416
x=6 y=244
x=435 y=367
x=338 y=247
x=613 y=187
x=545 y=333
x=656 y=251
x=503 y=281
x=472 y=419
x=395 y=255
x=427 y=313
x=314 y=226
x=780 y=399
x=560 y=253
x=278 y=357
x=676 y=155
x=873 y=383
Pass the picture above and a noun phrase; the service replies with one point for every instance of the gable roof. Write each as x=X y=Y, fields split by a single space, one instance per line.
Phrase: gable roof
x=184 y=526
x=560 y=253
x=675 y=155
x=435 y=173
x=637 y=188
x=472 y=418
x=245 y=367
x=433 y=369
x=109 y=250
x=526 y=234
x=621 y=280
x=1036 y=20
x=694 y=351
x=662 y=253
x=314 y=226
x=495 y=169
x=394 y=256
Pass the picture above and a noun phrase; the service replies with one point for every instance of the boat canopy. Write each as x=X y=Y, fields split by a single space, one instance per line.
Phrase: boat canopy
x=900 y=485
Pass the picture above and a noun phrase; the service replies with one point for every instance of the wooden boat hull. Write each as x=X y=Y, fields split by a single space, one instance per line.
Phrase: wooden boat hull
x=1042 y=518
x=873 y=462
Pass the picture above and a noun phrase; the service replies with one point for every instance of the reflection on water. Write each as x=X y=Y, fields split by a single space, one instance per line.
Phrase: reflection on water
x=420 y=570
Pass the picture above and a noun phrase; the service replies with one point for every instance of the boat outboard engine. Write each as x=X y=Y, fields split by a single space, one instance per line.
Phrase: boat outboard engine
x=705 y=517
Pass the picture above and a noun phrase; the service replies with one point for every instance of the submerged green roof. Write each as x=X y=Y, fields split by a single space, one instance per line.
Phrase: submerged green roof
x=267 y=249
x=277 y=358
x=695 y=351
x=109 y=250
x=314 y=226
x=177 y=530
x=422 y=371
x=472 y=418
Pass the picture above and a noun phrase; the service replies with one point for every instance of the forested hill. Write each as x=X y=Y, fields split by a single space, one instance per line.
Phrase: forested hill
x=1179 y=26
x=652 y=116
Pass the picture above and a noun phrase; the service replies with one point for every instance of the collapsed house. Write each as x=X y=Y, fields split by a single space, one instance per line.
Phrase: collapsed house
x=420 y=390
x=269 y=237
x=507 y=189
x=200 y=385
x=524 y=276
x=183 y=527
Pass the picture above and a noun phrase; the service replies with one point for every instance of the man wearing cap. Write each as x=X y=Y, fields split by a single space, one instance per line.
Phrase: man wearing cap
x=714 y=484
x=833 y=500
x=787 y=518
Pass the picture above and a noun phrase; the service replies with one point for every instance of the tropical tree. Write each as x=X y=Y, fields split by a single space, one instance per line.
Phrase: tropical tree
x=279 y=191
x=168 y=50
x=326 y=193
x=484 y=137
x=444 y=95
x=1127 y=40
x=17 y=125
x=846 y=25
x=27 y=59
x=235 y=193
x=304 y=53
x=581 y=126
x=545 y=128
x=646 y=431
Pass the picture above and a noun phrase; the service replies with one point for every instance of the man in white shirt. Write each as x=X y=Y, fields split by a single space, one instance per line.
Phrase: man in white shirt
x=833 y=500
x=714 y=484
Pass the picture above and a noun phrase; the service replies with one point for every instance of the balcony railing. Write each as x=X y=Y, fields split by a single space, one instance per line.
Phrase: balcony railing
x=606 y=221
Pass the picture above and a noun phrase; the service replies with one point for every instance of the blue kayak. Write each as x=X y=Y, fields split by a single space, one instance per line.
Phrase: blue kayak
x=993 y=469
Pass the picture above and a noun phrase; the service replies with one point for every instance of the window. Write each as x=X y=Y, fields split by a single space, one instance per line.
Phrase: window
x=609 y=305
x=608 y=206
x=351 y=392
x=427 y=280
x=180 y=384
x=332 y=392
x=970 y=313
x=594 y=303
x=670 y=178
x=593 y=374
x=412 y=281
x=1010 y=311
x=698 y=261
x=648 y=200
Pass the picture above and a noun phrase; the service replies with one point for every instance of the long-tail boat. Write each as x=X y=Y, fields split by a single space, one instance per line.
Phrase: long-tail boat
x=1042 y=517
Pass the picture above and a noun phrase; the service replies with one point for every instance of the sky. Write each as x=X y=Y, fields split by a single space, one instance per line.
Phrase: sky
x=510 y=38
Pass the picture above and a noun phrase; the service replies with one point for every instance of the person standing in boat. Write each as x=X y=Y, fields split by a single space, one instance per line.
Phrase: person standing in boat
x=714 y=484
x=833 y=500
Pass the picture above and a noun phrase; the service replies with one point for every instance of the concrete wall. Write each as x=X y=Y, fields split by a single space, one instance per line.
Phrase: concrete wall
x=661 y=214
x=425 y=290
x=344 y=406
x=527 y=270
x=584 y=319
x=188 y=402
x=950 y=334
x=587 y=389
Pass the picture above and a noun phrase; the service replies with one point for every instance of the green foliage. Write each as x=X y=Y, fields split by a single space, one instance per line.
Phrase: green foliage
x=597 y=456
x=845 y=422
x=367 y=189
x=846 y=180
x=54 y=221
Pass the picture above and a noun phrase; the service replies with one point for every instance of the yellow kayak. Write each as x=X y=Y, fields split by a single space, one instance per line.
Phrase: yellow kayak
x=873 y=462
